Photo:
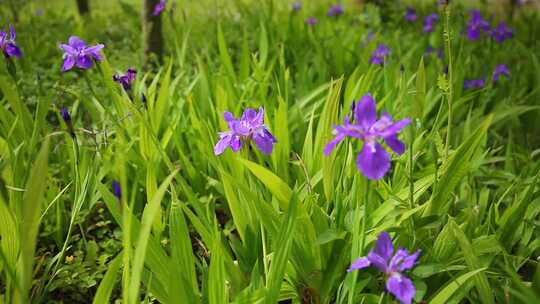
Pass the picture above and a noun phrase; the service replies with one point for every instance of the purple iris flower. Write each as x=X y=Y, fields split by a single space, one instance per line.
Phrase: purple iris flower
x=296 y=6
x=410 y=14
x=430 y=21
x=335 y=10
x=501 y=32
x=373 y=161
x=476 y=25
x=392 y=264
x=126 y=80
x=249 y=127
x=378 y=55
x=8 y=46
x=117 y=189
x=473 y=84
x=311 y=21
x=500 y=69
x=76 y=53
x=159 y=8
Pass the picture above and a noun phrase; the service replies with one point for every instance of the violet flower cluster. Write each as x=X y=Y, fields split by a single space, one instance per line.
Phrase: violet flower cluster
x=250 y=127
x=393 y=265
x=7 y=45
x=77 y=54
x=127 y=79
x=500 y=70
x=373 y=161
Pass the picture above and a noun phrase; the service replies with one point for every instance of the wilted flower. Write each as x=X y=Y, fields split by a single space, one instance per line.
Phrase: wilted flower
x=392 y=264
x=501 y=32
x=116 y=189
x=378 y=55
x=373 y=161
x=249 y=127
x=311 y=21
x=127 y=79
x=296 y=6
x=335 y=10
x=500 y=69
x=159 y=8
x=430 y=21
x=473 y=84
x=410 y=14
x=77 y=54
x=476 y=25
x=8 y=46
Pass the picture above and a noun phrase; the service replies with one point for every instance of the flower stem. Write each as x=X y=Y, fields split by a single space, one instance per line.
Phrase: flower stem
x=449 y=93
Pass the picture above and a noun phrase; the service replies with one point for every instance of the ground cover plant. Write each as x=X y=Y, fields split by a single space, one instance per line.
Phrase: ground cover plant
x=269 y=151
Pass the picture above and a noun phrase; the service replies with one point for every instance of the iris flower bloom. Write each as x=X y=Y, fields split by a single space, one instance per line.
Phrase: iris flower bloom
x=126 y=80
x=249 y=127
x=311 y=21
x=392 y=264
x=335 y=10
x=159 y=8
x=430 y=21
x=8 y=46
x=373 y=161
x=500 y=69
x=76 y=53
x=501 y=32
x=378 y=55
x=410 y=14
x=476 y=25
x=296 y=6
x=473 y=84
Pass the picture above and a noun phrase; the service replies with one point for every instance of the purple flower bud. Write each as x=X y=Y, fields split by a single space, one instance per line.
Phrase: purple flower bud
x=469 y=84
x=335 y=10
x=143 y=100
x=311 y=21
x=296 y=6
x=159 y=8
x=126 y=80
x=116 y=189
x=410 y=14
x=500 y=69
x=379 y=54
x=65 y=115
x=430 y=21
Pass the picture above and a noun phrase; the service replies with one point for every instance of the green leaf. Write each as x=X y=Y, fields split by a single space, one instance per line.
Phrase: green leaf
x=445 y=294
x=103 y=293
x=275 y=184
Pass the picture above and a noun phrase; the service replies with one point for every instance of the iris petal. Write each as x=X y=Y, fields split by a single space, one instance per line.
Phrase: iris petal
x=373 y=161
x=401 y=287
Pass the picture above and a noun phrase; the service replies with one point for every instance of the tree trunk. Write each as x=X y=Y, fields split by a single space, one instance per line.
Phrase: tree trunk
x=152 y=35
x=83 y=7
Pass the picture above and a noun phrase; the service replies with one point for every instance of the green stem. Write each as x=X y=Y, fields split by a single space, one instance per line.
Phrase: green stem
x=358 y=251
x=449 y=98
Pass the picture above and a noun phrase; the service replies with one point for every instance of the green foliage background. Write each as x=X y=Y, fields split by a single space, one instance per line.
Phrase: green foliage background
x=248 y=228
